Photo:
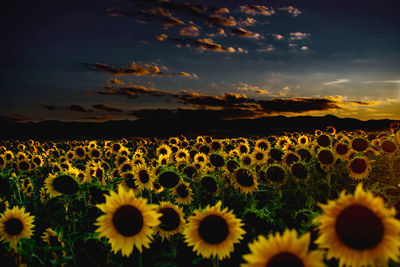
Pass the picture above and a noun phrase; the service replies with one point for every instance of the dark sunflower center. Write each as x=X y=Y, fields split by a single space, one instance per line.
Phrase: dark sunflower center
x=359 y=228
x=65 y=184
x=169 y=220
x=216 y=145
x=144 y=176
x=168 y=179
x=128 y=220
x=244 y=177
x=388 y=146
x=130 y=182
x=259 y=156
x=36 y=160
x=217 y=160
x=290 y=158
x=126 y=167
x=174 y=149
x=342 y=149
x=323 y=140
x=359 y=144
x=243 y=149
x=304 y=154
x=299 y=170
x=99 y=173
x=209 y=184
x=263 y=145
x=116 y=147
x=246 y=160
x=232 y=165
x=80 y=152
x=325 y=157
x=205 y=149
x=190 y=171
x=182 y=155
x=275 y=174
x=121 y=160
x=358 y=165
x=276 y=154
x=95 y=153
x=13 y=226
x=182 y=191
x=213 y=229
x=24 y=165
x=285 y=259
x=70 y=155
x=163 y=151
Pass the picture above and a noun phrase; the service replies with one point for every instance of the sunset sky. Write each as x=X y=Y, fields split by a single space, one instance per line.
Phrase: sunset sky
x=99 y=60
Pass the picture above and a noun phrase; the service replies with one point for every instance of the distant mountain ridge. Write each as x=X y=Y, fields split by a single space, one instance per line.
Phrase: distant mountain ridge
x=53 y=130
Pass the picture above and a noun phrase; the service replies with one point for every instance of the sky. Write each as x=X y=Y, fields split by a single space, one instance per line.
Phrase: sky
x=109 y=60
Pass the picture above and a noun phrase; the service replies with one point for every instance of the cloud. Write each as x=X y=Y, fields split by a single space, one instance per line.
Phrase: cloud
x=49 y=107
x=384 y=81
x=297 y=105
x=132 y=68
x=244 y=33
x=161 y=37
x=291 y=10
x=78 y=108
x=189 y=31
x=100 y=118
x=298 y=36
x=248 y=22
x=278 y=36
x=202 y=100
x=337 y=81
x=221 y=21
x=208 y=44
x=106 y=108
x=189 y=75
x=257 y=10
x=15 y=117
x=116 y=81
x=270 y=48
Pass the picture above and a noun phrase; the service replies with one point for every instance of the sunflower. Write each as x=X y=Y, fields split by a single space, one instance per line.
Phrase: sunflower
x=94 y=153
x=276 y=173
x=359 y=168
x=359 y=144
x=324 y=140
x=37 y=161
x=15 y=224
x=259 y=156
x=54 y=239
x=217 y=160
x=80 y=153
x=388 y=146
x=326 y=158
x=330 y=130
x=9 y=156
x=289 y=158
x=138 y=160
x=163 y=150
x=283 y=142
x=342 y=150
x=23 y=165
x=263 y=144
x=244 y=180
x=2 y=162
x=304 y=153
x=200 y=157
x=358 y=230
x=128 y=221
x=246 y=160
x=116 y=147
x=61 y=183
x=303 y=140
x=299 y=170
x=243 y=148
x=182 y=155
x=287 y=250
x=209 y=183
x=276 y=154
x=127 y=166
x=70 y=155
x=143 y=177
x=172 y=221
x=183 y=193
x=129 y=183
x=168 y=178
x=213 y=232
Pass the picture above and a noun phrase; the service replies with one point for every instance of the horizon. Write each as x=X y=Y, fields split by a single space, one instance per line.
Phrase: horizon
x=117 y=60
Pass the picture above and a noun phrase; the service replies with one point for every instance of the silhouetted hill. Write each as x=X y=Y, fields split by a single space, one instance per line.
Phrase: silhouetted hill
x=172 y=127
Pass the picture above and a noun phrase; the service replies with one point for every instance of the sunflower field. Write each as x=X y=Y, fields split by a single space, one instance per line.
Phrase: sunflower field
x=297 y=199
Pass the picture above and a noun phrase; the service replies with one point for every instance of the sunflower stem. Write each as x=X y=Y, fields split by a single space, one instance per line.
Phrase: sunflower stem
x=215 y=262
x=329 y=184
x=140 y=260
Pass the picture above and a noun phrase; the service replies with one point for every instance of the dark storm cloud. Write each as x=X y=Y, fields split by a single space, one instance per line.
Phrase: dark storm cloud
x=202 y=100
x=297 y=105
x=49 y=107
x=78 y=108
x=106 y=108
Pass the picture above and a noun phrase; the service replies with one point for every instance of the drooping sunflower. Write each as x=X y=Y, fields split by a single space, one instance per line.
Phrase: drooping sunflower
x=276 y=173
x=143 y=177
x=244 y=180
x=358 y=230
x=128 y=221
x=388 y=146
x=209 y=183
x=15 y=224
x=359 y=143
x=169 y=178
x=217 y=160
x=287 y=250
x=342 y=150
x=299 y=170
x=213 y=232
x=172 y=221
x=61 y=183
x=359 y=168
x=304 y=153
x=183 y=193
x=54 y=239
x=324 y=140
x=289 y=158
x=129 y=183
x=276 y=154
x=326 y=158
